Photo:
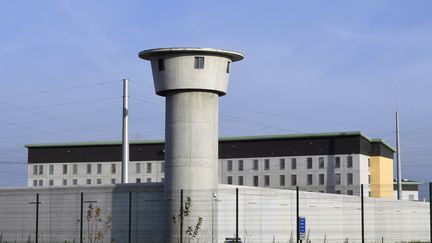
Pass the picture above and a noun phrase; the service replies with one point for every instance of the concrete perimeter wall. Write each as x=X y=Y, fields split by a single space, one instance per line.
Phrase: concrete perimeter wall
x=269 y=215
x=59 y=214
x=265 y=215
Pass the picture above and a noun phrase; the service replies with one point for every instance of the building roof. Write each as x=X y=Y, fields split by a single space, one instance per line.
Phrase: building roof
x=407 y=182
x=222 y=139
x=229 y=148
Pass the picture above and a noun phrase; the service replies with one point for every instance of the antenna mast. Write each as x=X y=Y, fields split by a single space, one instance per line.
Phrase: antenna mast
x=125 y=134
x=398 y=165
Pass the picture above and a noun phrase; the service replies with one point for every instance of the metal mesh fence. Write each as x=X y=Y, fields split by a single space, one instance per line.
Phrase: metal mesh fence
x=252 y=214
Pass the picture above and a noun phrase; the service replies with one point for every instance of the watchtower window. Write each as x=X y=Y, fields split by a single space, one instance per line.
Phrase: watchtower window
x=199 y=62
x=161 y=64
x=228 y=67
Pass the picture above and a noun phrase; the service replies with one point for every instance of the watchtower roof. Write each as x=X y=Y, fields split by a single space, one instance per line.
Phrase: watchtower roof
x=151 y=53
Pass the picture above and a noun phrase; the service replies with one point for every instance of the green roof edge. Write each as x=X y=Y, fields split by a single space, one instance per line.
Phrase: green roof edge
x=264 y=137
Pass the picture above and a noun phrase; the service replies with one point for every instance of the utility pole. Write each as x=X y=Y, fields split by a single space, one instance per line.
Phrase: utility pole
x=125 y=133
x=399 y=176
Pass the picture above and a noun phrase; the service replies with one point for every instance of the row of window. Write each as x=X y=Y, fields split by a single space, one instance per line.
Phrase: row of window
x=198 y=64
x=282 y=163
x=74 y=182
x=282 y=180
x=39 y=169
x=88 y=181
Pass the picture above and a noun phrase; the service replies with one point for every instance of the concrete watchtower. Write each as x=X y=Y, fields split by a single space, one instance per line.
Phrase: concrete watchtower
x=191 y=79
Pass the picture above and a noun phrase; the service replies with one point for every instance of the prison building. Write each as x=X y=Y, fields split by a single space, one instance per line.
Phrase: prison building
x=323 y=162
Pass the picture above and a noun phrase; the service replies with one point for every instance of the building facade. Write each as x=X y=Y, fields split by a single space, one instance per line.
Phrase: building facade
x=410 y=190
x=328 y=162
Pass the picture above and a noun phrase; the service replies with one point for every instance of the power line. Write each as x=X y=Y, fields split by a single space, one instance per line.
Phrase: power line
x=55 y=90
x=303 y=118
x=58 y=104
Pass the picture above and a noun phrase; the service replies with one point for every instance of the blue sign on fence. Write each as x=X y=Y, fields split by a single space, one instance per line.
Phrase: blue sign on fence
x=302 y=228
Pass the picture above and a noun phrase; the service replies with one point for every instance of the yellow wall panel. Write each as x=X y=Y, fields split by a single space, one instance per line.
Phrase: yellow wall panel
x=381 y=171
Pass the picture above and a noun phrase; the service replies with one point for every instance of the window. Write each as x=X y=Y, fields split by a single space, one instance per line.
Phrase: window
x=229 y=165
x=40 y=182
x=350 y=192
x=293 y=180
x=199 y=63
x=309 y=163
x=88 y=181
x=162 y=179
x=255 y=180
x=368 y=163
x=293 y=164
x=34 y=182
x=40 y=169
x=266 y=164
x=138 y=168
x=161 y=64
x=162 y=167
x=148 y=180
x=310 y=179
x=74 y=181
x=35 y=169
x=75 y=169
x=266 y=180
x=113 y=170
x=89 y=168
x=240 y=165
x=349 y=178
x=64 y=169
x=282 y=180
x=149 y=167
x=99 y=181
x=321 y=162
x=99 y=169
x=51 y=182
x=229 y=180
x=321 y=179
x=282 y=164
x=113 y=181
x=338 y=192
x=228 y=67
x=255 y=164
x=349 y=161
x=337 y=162
x=337 y=179
x=138 y=180
x=51 y=169
x=240 y=180
x=64 y=182
x=369 y=179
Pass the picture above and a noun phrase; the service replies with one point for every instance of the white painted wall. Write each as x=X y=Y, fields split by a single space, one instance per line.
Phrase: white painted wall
x=269 y=215
x=265 y=215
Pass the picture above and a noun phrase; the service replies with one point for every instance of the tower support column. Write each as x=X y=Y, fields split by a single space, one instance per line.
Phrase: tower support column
x=191 y=79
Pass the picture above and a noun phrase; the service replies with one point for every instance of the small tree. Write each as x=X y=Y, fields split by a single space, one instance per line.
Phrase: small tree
x=97 y=226
x=191 y=232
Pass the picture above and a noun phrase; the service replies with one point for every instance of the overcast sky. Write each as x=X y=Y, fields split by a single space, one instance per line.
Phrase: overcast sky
x=310 y=66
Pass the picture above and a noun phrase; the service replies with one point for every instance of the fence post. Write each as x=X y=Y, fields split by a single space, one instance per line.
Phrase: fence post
x=237 y=219
x=430 y=209
x=81 y=217
x=181 y=216
x=130 y=216
x=362 y=214
x=298 y=214
x=37 y=217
